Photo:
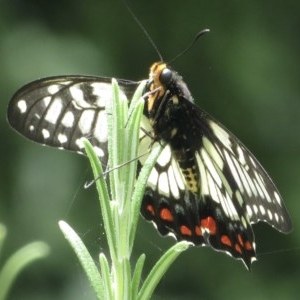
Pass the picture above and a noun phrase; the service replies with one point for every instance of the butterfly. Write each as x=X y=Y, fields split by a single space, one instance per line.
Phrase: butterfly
x=206 y=187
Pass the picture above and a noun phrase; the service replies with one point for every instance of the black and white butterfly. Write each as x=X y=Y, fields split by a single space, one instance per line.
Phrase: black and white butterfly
x=206 y=187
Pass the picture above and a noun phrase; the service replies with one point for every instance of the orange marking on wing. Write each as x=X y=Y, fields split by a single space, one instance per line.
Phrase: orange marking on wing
x=248 y=246
x=166 y=215
x=240 y=239
x=226 y=241
x=150 y=209
x=210 y=224
x=184 y=230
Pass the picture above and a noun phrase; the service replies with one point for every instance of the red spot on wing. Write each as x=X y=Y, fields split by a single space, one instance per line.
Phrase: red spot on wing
x=166 y=215
x=150 y=209
x=248 y=246
x=240 y=239
x=226 y=240
x=209 y=224
x=245 y=244
x=184 y=230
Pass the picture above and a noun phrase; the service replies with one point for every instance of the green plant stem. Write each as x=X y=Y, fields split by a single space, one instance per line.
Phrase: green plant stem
x=121 y=205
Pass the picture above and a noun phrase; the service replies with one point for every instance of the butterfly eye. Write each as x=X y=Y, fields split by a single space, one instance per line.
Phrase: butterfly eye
x=166 y=76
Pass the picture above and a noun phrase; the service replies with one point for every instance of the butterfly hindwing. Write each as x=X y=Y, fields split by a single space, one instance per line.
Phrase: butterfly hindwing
x=202 y=218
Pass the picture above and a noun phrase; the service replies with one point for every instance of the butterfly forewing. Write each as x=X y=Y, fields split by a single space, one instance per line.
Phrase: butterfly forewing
x=244 y=178
x=59 y=111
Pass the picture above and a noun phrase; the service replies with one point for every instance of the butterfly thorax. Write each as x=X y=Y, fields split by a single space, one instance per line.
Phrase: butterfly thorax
x=170 y=106
x=171 y=112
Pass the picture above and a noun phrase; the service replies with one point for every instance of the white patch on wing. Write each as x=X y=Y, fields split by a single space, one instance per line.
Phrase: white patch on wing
x=100 y=129
x=79 y=143
x=54 y=110
x=213 y=153
x=45 y=133
x=98 y=151
x=163 y=185
x=77 y=94
x=221 y=134
x=241 y=156
x=231 y=208
x=62 y=138
x=244 y=222
x=262 y=210
x=47 y=100
x=249 y=210
x=212 y=188
x=233 y=171
x=277 y=197
x=249 y=181
x=252 y=161
x=242 y=176
x=85 y=121
x=262 y=187
x=178 y=175
x=261 y=194
x=175 y=99
x=224 y=204
x=165 y=157
x=211 y=168
x=103 y=93
x=270 y=215
x=173 y=184
x=153 y=179
x=22 y=106
x=255 y=209
x=203 y=179
x=251 y=184
x=239 y=198
x=68 y=119
x=53 y=89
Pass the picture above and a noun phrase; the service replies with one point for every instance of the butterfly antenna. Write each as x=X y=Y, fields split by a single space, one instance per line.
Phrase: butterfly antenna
x=200 y=33
x=143 y=30
x=108 y=170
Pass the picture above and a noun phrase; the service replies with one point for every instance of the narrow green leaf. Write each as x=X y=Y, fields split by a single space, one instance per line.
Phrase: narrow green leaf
x=85 y=259
x=133 y=132
x=106 y=276
x=17 y=262
x=140 y=188
x=160 y=269
x=136 y=278
x=104 y=199
x=117 y=110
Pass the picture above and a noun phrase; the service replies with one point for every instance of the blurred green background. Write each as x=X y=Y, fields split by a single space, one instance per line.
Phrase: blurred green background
x=245 y=73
